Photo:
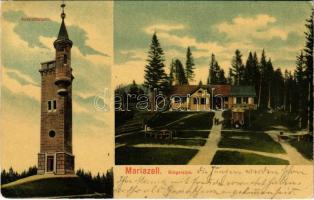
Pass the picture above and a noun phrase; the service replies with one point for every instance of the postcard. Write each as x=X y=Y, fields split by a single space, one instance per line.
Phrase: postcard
x=157 y=99
x=213 y=99
x=56 y=125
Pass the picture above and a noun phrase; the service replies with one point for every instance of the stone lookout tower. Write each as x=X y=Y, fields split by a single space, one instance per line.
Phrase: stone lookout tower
x=56 y=108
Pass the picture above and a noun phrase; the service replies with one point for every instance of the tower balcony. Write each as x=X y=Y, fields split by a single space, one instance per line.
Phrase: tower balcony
x=62 y=82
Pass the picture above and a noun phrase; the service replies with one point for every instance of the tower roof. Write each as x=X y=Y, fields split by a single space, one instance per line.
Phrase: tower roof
x=63 y=37
x=63 y=33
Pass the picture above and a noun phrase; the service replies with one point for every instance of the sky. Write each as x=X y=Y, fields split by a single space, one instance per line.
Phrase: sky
x=207 y=27
x=25 y=44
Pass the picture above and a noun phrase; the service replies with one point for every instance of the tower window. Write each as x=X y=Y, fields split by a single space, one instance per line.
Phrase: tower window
x=52 y=105
x=65 y=59
x=49 y=105
x=52 y=133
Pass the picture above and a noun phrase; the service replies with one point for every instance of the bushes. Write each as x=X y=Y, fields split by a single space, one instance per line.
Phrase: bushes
x=101 y=183
x=11 y=175
x=122 y=116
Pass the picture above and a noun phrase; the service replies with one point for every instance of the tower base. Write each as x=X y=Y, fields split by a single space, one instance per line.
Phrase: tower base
x=55 y=163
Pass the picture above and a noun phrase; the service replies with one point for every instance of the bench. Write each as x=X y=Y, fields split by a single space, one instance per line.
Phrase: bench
x=160 y=134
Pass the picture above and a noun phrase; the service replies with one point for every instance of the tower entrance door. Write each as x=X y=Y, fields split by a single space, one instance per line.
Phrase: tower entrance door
x=50 y=163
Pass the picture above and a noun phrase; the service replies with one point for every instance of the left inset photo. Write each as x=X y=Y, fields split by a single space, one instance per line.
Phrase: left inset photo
x=57 y=127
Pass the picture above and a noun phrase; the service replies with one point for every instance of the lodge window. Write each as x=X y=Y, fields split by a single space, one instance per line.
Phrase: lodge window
x=238 y=100
x=225 y=98
x=52 y=105
x=245 y=99
x=195 y=101
x=177 y=100
x=203 y=101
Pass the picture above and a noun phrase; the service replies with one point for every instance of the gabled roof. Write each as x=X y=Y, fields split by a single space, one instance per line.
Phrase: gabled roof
x=183 y=90
x=223 y=90
x=243 y=91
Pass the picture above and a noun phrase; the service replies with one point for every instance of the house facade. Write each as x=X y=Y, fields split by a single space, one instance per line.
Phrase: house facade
x=208 y=97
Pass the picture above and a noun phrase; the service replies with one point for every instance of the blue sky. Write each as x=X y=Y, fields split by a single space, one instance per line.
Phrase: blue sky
x=208 y=27
x=25 y=44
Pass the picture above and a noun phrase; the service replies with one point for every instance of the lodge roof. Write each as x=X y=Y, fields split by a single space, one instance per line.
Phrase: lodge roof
x=183 y=90
x=223 y=90
x=243 y=91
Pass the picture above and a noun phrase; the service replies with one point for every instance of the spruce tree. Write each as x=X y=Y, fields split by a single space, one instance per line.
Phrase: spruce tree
x=300 y=75
x=180 y=74
x=263 y=89
x=237 y=68
x=189 y=66
x=221 y=77
x=215 y=73
x=308 y=50
x=155 y=76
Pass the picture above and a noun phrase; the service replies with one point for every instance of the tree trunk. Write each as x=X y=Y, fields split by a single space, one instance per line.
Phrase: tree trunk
x=259 y=93
x=268 y=105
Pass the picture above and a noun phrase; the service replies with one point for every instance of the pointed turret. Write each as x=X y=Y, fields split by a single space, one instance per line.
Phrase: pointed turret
x=63 y=58
x=63 y=37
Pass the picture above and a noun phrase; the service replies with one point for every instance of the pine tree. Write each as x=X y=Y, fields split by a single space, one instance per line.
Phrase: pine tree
x=155 y=76
x=277 y=89
x=262 y=97
x=237 y=68
x=172 y=73
x=134 y=88
x=189 y=66
x=221 y=77
x=251 y=72
x=257 y=74
x=180 y=74
x=269 y=78
x=300 y=75
x=215 y=73
x=308 y=50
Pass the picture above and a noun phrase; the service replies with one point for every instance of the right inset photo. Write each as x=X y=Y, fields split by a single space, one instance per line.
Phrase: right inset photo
x=213 y=83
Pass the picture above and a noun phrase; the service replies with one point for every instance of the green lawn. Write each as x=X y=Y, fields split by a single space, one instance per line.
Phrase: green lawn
x=257 y=141
x=266 y=121
x=153 y=156
x=200 y=121
x=161 y=119
x=194 y=139
x=48 y=188
x=303 y=147
x=239 y=158
x=193 y=134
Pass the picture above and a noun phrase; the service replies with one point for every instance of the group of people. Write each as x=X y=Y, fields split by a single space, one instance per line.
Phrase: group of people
x=216 y=121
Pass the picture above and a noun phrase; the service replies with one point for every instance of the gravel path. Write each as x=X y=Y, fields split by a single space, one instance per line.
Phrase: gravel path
x=207 y=152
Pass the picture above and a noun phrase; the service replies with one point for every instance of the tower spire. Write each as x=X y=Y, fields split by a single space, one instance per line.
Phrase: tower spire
x=62 y=7
x=63 y=37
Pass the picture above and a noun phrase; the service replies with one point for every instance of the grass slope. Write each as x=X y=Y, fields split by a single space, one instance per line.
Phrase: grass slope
x=239 y=158
x=303 y=147
x=257 y=142
x=48 y=187
x=153 y=156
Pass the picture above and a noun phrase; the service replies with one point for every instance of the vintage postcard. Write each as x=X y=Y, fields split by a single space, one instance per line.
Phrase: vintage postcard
x=56 y=125
x=157 y=99
x=213 y=99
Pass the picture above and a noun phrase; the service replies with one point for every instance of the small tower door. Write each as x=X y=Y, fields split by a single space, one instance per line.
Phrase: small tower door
x=50 y=163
